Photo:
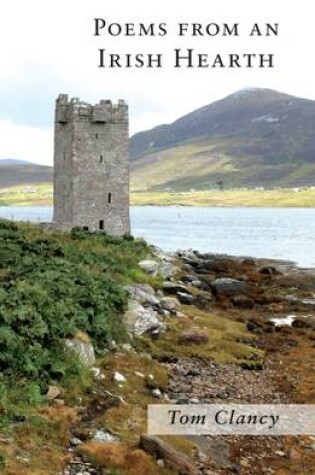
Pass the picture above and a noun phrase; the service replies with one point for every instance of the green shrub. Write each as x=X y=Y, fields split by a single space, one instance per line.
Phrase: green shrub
x=55 y=285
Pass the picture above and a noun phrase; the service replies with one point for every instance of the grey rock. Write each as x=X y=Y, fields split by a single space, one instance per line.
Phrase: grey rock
x=170 y=304
x=74 y=442
x=167 y=270
x=144 y=294
x=174 y=287
x=188 y=278
x=83 y=349
x=112 y=345
x=103 y=436
x=185 y=298
x=149 y=266
x=141 y=320
x=163 y=312
x=118 y=377
x=127 y=347
x=188 y=254
x=157 y=393
x=186 y=267
x=52 y=393
x=229 y=287
x=199 y=284
x=181 y=315
x=96 y=372
x=160 y=463
x=280 y=453
x=139 y=374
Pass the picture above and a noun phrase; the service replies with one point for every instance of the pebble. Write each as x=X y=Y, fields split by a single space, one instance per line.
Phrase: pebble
x=127 y=347
x=118 y=377
x=280 y=453
x=193 y=378
x=52 y=393
x=79 y=466
x=157 y=393
x=112 y=345
x=160 y=463
x=95 y=371
x=139 y=374
x=75 y=441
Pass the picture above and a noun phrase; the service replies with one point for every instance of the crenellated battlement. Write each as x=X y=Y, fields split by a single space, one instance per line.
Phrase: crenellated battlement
x=103 y=112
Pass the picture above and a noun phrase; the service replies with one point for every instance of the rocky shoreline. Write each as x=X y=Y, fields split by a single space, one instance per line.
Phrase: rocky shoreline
x=270 y=361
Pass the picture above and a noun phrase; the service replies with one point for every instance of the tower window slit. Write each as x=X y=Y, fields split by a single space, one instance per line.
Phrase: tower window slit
x=101 y=224
x=96 y=136
x=101 y=159
x=109 y=198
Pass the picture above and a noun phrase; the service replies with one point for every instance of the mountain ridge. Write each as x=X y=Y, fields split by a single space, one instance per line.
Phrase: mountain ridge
x=254 y=137
x=15 y=172
x=14 y=161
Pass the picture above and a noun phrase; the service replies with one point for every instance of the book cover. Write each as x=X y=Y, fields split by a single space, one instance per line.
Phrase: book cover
x=157 y=192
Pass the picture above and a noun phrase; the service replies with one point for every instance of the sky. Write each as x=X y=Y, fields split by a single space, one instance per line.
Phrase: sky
x=48 y=47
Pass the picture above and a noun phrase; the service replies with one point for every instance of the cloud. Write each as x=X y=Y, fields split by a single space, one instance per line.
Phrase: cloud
x=25 y=142
x=49 y=48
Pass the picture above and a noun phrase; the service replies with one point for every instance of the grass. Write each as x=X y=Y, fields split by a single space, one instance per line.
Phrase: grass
x=41 y=195
x=278 y=198
x=223 y=333
x=122 y=459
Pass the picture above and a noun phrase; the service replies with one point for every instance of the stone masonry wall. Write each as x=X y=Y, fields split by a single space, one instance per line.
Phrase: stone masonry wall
x=91 y=166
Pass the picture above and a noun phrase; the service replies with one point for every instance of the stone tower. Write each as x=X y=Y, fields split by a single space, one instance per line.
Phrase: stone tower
x=91 y=169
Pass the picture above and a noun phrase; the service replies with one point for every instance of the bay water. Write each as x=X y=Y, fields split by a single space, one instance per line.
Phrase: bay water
x=276 y=233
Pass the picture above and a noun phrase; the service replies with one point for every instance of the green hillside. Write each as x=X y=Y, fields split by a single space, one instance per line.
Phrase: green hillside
x=255 y=137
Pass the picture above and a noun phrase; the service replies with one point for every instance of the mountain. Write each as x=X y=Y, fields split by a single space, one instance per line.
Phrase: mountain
x=14 y=161
x=254 y=137
x=19 y=172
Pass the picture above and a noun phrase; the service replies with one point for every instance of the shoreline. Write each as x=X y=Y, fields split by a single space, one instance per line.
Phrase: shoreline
x=295 y=197
x=210 y=230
